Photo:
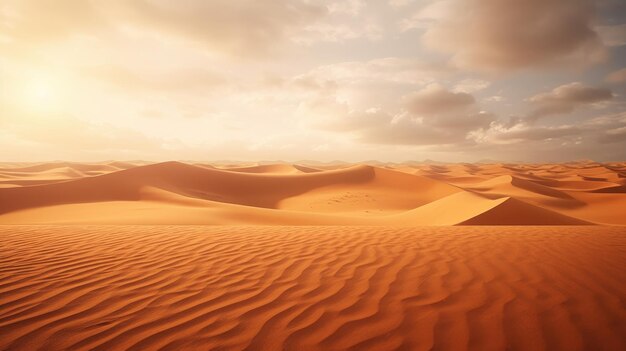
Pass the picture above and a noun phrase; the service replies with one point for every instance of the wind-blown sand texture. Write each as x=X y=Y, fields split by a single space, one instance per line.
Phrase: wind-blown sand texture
x=581 y=193
x=180 y=256
x=312 y=288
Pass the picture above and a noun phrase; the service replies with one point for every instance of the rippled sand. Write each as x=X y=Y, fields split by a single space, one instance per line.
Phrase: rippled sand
x=312 y=288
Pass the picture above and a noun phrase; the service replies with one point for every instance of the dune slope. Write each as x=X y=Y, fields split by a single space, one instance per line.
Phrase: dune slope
x=258 y=190
x=466 y=208
x=316 y=194
x=515 y=212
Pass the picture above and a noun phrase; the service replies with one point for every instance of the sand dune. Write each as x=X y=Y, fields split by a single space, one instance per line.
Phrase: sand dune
x=510 y=211
x=398 y=190
x=473 y=209
x=274 y=168
x=45 y=173
x=344 y=257
x=312 y=288
x=399 y=194
x=507 y=184
x=81 y=167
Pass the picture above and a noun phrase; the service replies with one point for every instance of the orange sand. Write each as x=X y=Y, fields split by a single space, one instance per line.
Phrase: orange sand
x=285 y=194
x=312 y=288
x=312 y=257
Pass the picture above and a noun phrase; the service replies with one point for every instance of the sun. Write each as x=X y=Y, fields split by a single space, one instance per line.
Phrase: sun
x=41 y=91
x=40 y=94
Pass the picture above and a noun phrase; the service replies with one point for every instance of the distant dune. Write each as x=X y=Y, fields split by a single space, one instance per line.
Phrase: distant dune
x=394 y=194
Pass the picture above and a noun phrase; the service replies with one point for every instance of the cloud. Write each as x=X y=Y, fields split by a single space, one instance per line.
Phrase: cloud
x=388 y=69
x=573 y=93
x=613 y=35
x=380 y=127
x=350 y=7
x=507 y=35
x=240 y=27
x=177 y=79
x=618 y=76
x=495 y=98
x=470 y=85
x=36 y=21
x=244 y=27
x=603 y=129
x=500 y=133
x=427 y=117
x=435 y=99
x=357 y=86
x=145 y=65
x=614 y=135
x=438 y=118
x=566 y=98
x=406 y=130
x=399 y=3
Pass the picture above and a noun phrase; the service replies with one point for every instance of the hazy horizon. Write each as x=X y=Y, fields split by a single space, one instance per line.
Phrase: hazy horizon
x=302 y=161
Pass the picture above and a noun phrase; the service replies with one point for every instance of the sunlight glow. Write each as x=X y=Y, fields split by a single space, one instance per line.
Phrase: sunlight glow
x=41 y=94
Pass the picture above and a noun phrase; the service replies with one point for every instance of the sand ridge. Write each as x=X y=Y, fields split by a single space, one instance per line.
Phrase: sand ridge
x=361 y=194
x=312 y=288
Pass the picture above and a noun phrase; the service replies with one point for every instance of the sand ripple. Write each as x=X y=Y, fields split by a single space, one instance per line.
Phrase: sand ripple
x=312 y=288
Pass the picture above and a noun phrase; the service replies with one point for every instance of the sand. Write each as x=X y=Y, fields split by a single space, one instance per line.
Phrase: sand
x=181 y=256
x=583 y=193
x=312 y=288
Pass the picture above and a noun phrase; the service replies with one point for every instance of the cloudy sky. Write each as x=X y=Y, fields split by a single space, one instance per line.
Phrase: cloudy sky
x=354 y=80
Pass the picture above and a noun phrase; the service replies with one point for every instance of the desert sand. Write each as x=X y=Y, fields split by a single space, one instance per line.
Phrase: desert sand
x=195 y=256
x=312 y=288
x=582 y=193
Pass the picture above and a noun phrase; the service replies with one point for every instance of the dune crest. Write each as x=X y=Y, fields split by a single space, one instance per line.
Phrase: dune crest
x=331 y=194
x=510 y=211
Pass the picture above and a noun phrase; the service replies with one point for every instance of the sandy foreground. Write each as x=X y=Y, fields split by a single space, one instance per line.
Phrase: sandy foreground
x=312 y=288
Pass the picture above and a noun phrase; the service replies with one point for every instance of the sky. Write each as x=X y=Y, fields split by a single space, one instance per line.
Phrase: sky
x=292 y=80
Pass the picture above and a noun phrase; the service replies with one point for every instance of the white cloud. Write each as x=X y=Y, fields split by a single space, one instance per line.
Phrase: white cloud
x=604 y=129
x=470 y=86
